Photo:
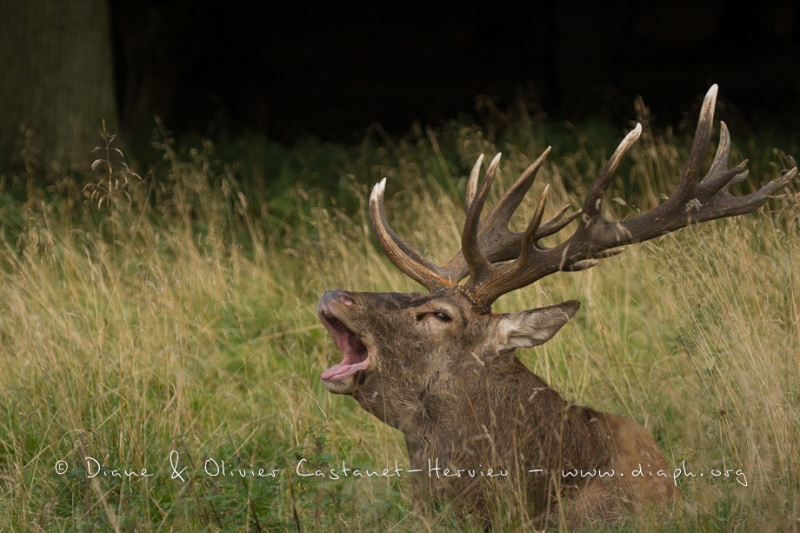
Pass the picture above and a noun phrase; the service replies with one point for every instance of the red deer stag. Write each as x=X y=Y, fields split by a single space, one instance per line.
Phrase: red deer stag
x=441 y=368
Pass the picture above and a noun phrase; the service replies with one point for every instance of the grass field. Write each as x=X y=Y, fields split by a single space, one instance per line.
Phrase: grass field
x=161 y=352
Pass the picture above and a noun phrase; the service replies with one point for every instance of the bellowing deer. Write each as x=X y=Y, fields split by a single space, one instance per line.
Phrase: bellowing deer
x=440 y=367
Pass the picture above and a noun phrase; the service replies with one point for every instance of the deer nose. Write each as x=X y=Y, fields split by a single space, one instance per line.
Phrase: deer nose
x=337 y=296
x=343 y=297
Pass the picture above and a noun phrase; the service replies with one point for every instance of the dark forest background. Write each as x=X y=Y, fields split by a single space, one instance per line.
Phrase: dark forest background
x=289 y=70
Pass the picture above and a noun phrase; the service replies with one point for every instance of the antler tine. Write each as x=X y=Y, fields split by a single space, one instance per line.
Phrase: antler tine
x=477 y=262
x=702 y=136
x=556 y=224
x=723 y=151
x=528 y=240
x=404 y=257
x=718 y=175
x=724 y=204
x=511 y=200
x=594 y=199
x=472 y=184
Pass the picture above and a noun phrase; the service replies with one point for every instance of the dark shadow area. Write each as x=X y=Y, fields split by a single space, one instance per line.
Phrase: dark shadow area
x=290 y=69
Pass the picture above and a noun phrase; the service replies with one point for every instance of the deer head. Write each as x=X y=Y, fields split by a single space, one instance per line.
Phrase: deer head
x=407 y=355
x=440 y=366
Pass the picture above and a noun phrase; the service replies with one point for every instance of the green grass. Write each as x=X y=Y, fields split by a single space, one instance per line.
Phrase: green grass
x=172 y=319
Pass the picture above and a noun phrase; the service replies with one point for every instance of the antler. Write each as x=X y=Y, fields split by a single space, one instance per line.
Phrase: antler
x=498 y=260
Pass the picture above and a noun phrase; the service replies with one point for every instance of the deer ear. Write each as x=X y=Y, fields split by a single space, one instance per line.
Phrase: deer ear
x=534 y=327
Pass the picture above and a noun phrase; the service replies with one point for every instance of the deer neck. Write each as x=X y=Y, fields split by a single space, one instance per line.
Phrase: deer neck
x=485 y=424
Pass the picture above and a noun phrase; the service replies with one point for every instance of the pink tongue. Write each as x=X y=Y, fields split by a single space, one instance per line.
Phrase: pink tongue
x=343 y=370
x=336 y=370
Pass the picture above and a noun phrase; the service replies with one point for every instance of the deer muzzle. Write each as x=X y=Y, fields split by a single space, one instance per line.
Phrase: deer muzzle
x=341 y=377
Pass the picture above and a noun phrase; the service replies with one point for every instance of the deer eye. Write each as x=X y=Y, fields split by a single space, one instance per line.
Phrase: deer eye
x=441 y=316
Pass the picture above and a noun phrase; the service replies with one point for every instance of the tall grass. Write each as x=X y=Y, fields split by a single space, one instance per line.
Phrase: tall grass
x=169 y=322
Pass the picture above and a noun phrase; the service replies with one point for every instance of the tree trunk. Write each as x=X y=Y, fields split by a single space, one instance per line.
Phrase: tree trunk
x=56 y=80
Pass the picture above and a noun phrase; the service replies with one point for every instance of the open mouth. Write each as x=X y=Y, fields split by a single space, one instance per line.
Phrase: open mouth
x=355 y=352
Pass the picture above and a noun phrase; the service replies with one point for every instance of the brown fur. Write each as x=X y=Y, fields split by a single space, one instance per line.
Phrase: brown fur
x=465 y=401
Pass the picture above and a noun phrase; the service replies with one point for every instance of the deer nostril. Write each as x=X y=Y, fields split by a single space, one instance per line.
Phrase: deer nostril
x=337 y=296
x=343 y=298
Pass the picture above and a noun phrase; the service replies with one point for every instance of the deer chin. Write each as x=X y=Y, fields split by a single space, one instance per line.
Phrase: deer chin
x=341 y=378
